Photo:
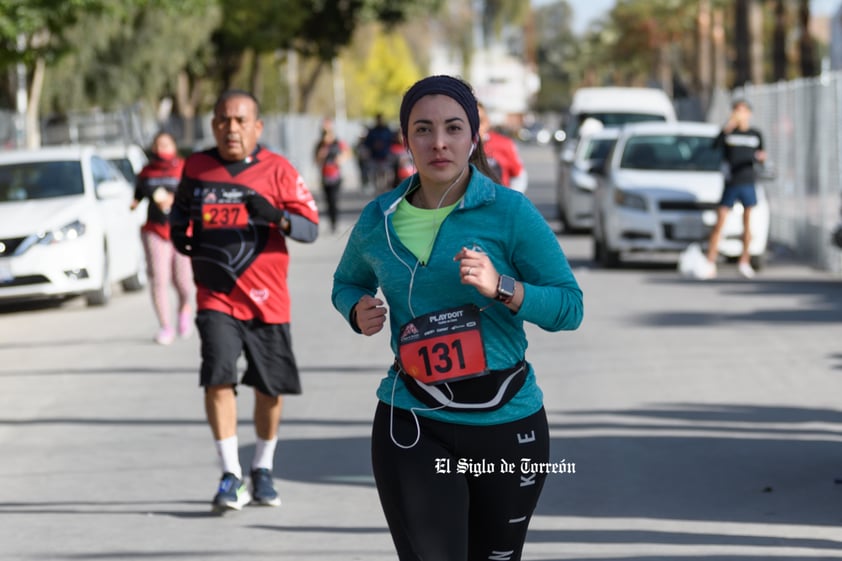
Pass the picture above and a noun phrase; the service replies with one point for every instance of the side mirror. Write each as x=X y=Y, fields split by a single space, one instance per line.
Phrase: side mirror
x=112 y=190
x=567 y=155
x=597 y=167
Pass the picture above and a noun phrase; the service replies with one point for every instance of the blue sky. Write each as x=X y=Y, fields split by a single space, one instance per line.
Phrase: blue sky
x=585 y=11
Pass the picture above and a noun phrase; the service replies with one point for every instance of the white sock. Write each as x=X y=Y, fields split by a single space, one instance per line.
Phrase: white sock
x=229 y=456
x=264 y=454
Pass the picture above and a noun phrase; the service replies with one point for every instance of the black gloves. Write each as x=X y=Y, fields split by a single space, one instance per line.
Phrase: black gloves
x=260 y=209
x=181 y=241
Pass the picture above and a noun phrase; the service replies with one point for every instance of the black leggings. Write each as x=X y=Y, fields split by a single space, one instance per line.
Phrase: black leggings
x=331 y=192
x=434 y=515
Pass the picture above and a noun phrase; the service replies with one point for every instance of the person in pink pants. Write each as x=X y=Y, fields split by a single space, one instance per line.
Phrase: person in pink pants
x=165 y=266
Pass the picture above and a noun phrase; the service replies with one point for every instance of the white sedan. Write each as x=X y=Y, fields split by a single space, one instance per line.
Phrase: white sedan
x=129 y=158
x=659 y=191
x=66 y=227
x=575 y=182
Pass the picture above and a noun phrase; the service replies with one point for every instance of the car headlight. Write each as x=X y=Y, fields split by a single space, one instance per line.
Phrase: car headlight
x=69 y=232
x=629 y=200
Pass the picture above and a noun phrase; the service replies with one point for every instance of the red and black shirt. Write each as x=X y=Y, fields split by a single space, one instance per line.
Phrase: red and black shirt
x=240 y=266
x=502 y=156
x=158 y=174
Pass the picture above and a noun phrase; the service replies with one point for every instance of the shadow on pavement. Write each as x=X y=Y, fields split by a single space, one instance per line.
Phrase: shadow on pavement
x=676 y=538
x=820 y=302
x=739 y=463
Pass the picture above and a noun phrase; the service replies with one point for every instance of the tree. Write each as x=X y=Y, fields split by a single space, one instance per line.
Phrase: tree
x=385 y=74
x=316 y=29
x=101 y=53
x=31 y=34
x=498 y=13
x=558 y=56
x=119 y=61
x=154 y=50
x=806 y=48
x=779 y=61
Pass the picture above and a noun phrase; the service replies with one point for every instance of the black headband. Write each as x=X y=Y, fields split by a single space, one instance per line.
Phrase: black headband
x=443 y=85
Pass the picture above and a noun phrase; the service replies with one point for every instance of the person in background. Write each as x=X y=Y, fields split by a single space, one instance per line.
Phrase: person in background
x=742 y=146
x=363 y=157
x=403 y=167
x=330 y=154
x=502 y=154
x=157 y=182
x=378 y=143
x=462 y=264
x=235 y=208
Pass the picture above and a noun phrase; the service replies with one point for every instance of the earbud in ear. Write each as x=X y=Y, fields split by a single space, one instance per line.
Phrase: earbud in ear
x=473 y=147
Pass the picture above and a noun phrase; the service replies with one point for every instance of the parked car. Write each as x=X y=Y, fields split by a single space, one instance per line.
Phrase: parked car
x=129 y=158
x=611 y=107
x=65 y=226
x=659 y=191
x=575 y=182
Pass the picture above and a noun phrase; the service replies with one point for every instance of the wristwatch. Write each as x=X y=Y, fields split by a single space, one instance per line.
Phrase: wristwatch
x=505 y=289
x=284 y=223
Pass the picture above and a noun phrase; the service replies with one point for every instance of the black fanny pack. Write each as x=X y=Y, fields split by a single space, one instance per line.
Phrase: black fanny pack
x=481 y=393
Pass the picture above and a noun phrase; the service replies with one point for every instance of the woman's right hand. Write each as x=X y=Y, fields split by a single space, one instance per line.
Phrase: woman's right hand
x=370 y=315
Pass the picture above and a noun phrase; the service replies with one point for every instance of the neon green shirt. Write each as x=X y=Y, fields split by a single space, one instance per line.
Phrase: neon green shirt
x=418 y=227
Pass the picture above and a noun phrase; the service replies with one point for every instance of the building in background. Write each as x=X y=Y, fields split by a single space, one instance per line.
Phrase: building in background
x=499 y=69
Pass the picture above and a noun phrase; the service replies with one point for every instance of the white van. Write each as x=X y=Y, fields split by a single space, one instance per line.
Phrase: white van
x=617 y=106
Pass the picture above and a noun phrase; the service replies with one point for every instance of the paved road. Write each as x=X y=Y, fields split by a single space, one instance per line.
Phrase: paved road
x=703 y=419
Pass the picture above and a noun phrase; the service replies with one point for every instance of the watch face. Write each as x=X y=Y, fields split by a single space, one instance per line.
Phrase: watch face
x=506 y=286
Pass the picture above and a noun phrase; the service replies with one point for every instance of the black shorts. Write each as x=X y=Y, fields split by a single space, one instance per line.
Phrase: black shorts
x=271 y=367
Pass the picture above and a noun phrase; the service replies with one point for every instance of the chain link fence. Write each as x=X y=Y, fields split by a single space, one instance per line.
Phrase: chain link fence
x=801 y=122
x=294 y=136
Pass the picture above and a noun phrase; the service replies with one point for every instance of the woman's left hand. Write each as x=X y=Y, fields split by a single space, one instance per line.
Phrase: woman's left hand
x=475 y=269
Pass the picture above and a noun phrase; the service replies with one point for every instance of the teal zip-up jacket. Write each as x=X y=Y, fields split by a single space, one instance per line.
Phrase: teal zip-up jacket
x=509 y=229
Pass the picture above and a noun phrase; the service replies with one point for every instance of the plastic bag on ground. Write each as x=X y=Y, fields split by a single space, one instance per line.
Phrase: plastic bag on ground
x=692 y=262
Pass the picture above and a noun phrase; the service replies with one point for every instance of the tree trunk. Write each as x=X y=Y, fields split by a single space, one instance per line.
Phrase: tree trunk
x=742 y=63
x=33 y=127
x=665 y=76
x=309 y=85
x=755 y=29
x=720 y=58
x=807 y=52
x=779 y=62
x=255 y=75
x=293 y=80
x=186 y=103
x=704 y=71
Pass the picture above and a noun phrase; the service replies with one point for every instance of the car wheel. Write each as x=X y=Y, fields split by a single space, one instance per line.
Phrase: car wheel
x=137 y=281
x=562 y=217
x=597 y=251
x=134 y=283
x=102 y=295
x=608 y=258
